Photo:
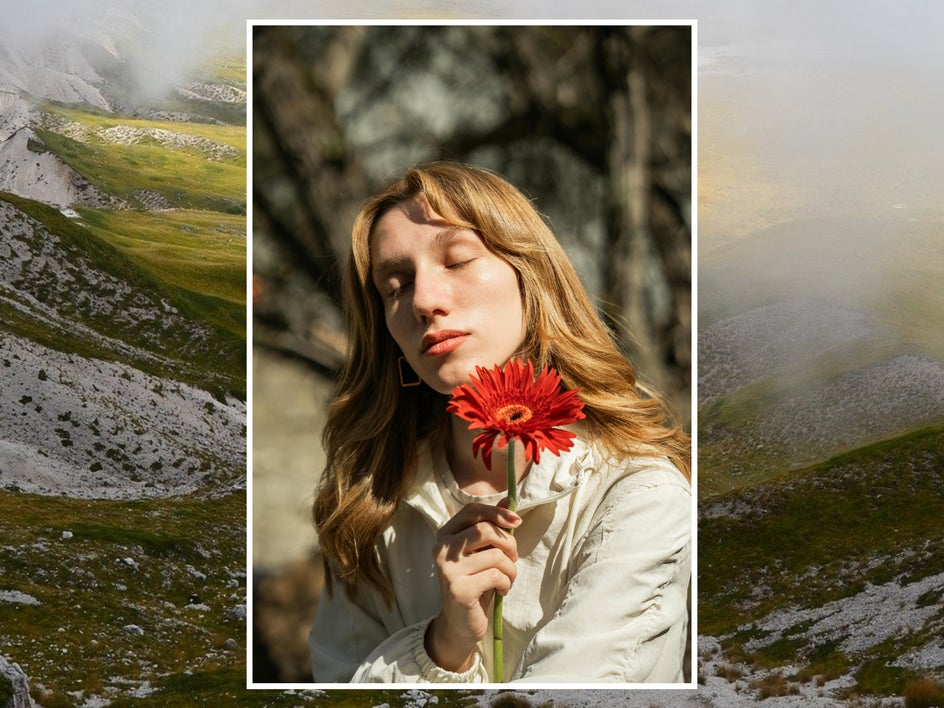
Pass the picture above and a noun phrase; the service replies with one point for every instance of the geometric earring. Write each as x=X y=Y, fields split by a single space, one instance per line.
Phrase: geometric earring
x=413 y=380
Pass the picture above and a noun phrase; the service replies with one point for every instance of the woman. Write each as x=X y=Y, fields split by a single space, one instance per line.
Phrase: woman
x=452 y=268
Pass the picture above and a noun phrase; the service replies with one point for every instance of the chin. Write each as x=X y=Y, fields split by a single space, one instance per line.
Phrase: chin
x=449 y=376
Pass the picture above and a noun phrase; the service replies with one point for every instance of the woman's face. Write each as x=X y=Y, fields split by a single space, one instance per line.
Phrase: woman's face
x=450 y=302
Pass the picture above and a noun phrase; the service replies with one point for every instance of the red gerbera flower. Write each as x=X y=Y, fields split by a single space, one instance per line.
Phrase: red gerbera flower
x=510 y=403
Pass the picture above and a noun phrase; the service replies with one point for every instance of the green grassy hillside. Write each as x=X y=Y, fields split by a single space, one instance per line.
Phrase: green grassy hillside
x=143 y=605
x=200 y=341
x=133 y=602
x=826 y=534
x=190 y=165
x=203 y=252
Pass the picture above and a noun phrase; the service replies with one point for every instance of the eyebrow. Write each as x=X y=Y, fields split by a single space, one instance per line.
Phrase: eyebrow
x=387 y=266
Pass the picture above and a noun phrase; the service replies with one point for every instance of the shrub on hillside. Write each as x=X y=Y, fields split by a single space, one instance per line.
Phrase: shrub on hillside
x=924 y=692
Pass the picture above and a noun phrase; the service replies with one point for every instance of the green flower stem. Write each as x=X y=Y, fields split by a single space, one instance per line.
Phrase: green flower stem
x=498 y=654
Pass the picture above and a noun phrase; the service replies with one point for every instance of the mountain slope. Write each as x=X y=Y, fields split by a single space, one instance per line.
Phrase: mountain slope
x=821 y=463
x=791 y=383
x=816 y=337
x=831 y=576
x=122 y=368
x=69 y=290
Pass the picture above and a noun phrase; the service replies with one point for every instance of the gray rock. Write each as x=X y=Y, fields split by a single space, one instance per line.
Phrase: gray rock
x=13 y=675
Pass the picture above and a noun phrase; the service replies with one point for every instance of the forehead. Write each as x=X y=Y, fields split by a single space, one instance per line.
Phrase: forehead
x=411 y=225
x=415 y=211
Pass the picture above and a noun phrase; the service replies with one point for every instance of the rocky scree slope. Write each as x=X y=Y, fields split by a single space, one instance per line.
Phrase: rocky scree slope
x=26 y=169
x=81 y=288
x=92 y=428
x=793 y=409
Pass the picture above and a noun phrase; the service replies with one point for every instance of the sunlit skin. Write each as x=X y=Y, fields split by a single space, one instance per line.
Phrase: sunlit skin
x=450 y=304
x=435 y=279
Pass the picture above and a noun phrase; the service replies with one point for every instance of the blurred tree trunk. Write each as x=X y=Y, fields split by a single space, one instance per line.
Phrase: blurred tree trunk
x=646 y=289
x=298 y=104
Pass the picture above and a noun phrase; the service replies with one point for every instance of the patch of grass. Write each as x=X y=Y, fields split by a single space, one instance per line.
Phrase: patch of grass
x=774 y=685
x=156 y=544
x=184 y=176
x=183 y=584
x=826 y=661
x=807 y=533
x=932 y=598
x=6 y=690
x=786 y=650
x=230 y=68
x=878 y=677
x=729 y=672
x=203 y=252
x=924 y=692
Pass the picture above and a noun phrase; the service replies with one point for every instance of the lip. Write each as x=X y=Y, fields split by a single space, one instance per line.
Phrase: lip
x=442 y=342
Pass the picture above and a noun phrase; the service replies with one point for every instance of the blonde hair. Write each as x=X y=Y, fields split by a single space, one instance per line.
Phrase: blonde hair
x=375 y=425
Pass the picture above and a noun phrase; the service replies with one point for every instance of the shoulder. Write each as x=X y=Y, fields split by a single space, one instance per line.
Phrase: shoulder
x=636 y=473
x=641 y=487
x=640 y=510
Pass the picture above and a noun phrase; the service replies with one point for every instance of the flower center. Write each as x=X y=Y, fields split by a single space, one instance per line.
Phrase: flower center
x=514 y=413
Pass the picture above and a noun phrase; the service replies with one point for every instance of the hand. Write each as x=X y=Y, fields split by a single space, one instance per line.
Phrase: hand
x=475 y=558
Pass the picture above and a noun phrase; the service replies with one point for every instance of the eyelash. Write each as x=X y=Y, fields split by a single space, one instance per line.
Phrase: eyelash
x=396 y=292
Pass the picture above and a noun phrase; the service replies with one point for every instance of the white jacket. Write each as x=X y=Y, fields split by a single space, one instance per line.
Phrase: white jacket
x=600 y=594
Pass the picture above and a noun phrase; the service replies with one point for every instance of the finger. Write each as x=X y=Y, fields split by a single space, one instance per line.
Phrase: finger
x=475 y=512
x=478 y=562
x=487 y=535
x=495 y=581
x=475 y=539
x=467 y=579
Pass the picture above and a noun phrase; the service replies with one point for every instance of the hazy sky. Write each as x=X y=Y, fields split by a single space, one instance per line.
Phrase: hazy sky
x=840 y=101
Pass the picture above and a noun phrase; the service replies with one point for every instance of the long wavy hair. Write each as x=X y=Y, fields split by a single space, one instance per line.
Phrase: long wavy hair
x=375 y=425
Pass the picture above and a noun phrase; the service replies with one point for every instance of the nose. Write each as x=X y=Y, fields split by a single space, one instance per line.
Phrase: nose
x=430 y=295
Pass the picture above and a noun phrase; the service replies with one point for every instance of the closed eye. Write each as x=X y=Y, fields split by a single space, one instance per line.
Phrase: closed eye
x=460 y=264
x=396 y=292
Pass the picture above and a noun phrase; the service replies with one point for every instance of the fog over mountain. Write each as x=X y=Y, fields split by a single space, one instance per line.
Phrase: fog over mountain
x=158 y=46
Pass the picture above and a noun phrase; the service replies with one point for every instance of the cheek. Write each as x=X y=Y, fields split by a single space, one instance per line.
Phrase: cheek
x=393 y=317
x=512 y=307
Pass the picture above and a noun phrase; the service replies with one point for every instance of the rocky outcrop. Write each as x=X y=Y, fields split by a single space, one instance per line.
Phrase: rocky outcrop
x=14 y=686
x=53 y=70
x=27 y=169
x=14 y=113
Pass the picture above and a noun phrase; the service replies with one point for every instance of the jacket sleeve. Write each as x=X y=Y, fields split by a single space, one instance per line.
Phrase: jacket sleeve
x=623 y=616
x=350 y=642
